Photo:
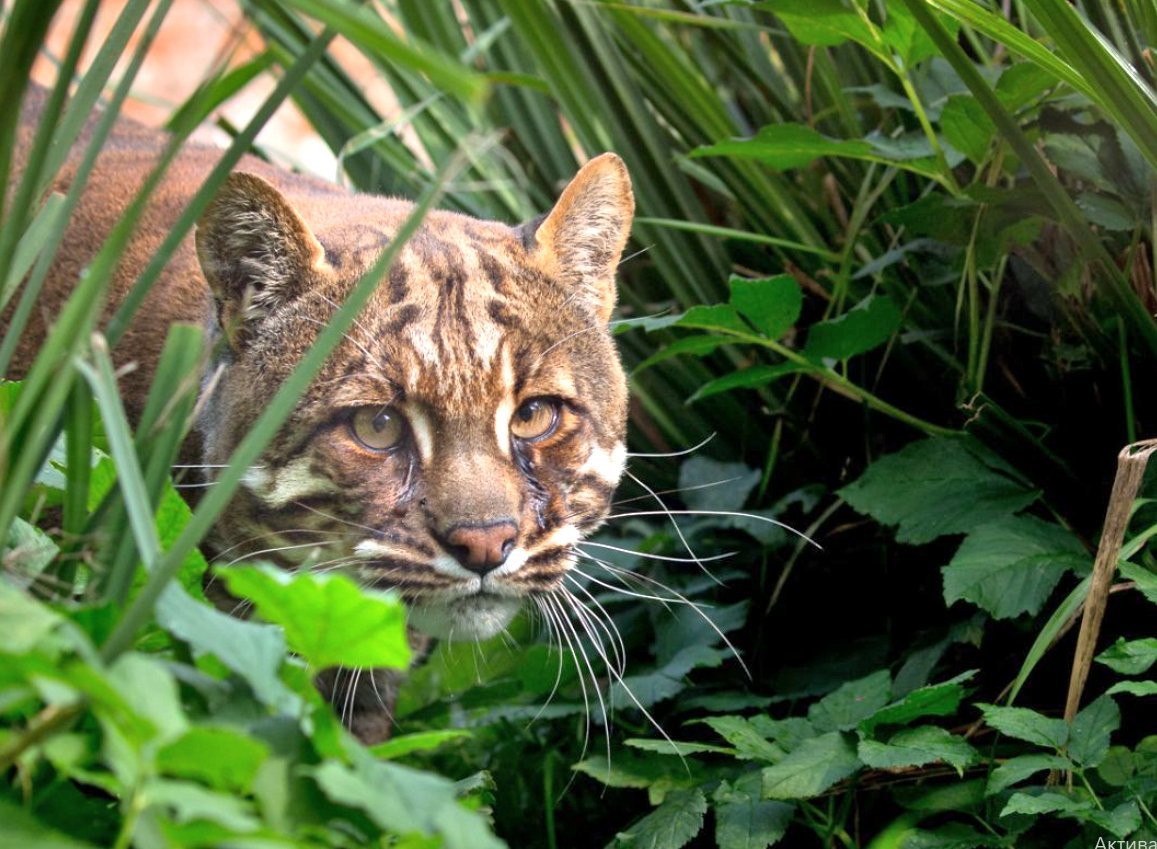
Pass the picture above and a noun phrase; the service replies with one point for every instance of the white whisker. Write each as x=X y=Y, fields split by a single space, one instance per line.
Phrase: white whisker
x=634 y=514
x=681 y=453
x=646 y=555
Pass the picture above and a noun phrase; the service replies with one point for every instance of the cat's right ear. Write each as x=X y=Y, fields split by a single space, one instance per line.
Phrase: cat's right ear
x=255 y=251
x=581 y=240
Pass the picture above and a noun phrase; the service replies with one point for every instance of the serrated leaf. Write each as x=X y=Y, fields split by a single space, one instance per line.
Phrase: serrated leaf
x=1091 y=729
x=851 y=703
x=1021 y=767
x=678 y=748
x=1144 y=580
x=811 y=768
x=328 y=619
x=1027 y=725
x=669 y=826
x=917 y=747
x=1011 y=566
x=1044 y=803
x=1130 y=658
x=935 y=487
x=743 y=735
x=933 y=700
x=190 y=802
x=24 y=622
x=772 y=304
x=743 y=820
x=1120 y=821
x=868 y=325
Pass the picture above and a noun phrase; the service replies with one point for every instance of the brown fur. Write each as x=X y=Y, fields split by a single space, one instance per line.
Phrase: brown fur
x=476 y=324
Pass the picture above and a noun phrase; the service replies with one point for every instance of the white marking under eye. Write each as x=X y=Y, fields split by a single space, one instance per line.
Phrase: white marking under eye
x=293 y=481
x=256 y=479
x=423 y=433
x=606 y=465
x=505 y=411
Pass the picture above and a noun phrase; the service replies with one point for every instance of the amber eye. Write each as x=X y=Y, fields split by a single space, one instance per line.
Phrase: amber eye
x=377 y=428
x=535 y=419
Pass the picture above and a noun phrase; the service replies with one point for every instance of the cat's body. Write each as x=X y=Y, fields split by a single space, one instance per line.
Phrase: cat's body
x=463 y=437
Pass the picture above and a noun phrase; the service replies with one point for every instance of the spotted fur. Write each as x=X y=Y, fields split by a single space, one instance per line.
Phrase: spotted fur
x=476 y=330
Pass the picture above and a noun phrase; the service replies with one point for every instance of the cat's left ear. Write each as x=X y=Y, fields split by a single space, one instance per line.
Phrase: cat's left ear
x=581 y=240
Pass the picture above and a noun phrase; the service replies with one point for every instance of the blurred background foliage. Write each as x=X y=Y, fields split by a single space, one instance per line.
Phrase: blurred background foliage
x=891 y=284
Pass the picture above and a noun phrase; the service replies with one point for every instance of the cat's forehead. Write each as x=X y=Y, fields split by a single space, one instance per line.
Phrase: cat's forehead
x=463 y=318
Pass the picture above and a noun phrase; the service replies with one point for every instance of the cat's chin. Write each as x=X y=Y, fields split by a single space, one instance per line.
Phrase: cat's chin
x=470 y=619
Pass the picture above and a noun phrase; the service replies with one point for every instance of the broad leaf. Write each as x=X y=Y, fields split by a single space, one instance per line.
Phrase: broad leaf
x=1027 y=725
x=853 y=702
x=786 y=146
x=1021 y=767
x=669 y=826
x=1011 y=566
x=749 y=743
x=1047 y=802
x=1091 y=730
x=934 y=700
x=743 y=820
x=933 y=488
x=870 y=324
x=811 y=768
x=327 y=618
x=917 y=747
x=1130 y=658
x=772 y=304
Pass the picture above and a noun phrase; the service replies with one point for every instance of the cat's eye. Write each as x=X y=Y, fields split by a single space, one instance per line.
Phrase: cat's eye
x=535 y=419
x=377 y=428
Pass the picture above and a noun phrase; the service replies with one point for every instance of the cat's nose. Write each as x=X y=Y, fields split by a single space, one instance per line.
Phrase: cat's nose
x=481 y=548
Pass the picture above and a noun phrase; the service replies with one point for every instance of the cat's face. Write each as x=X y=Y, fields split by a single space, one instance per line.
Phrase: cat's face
x=469 y=429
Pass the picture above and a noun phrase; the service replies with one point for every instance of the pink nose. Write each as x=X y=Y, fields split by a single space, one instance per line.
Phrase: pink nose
x=481 y=548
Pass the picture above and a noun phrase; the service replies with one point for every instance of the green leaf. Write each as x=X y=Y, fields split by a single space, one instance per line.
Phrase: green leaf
x=21 y=829
x=967 y=127
x=190 y=802
x=253 y=650
x=1144 y=580
x=707 y=484
x=1044 y=803
x=327 y=618
x=747 y=378
x=772 y=304
x=916 y=747
x=823 y=23
x=1011 y=566
x=24 y=622
x=1121 y=821
x=743 y=820
x=220 y=757
x=1134 y=688
x=716 y=317
x=1091 y=729
x=1021 y=767
x=933 y=700
x=1027 y=725
x=786 y=146
x=811 y=768
x=419 y=741
x=749 y=743
x=669 y=826
x=1130 y=658
x=868 y=325
x=404 y=800
x=933 y=488
x=851 y=703
x=679 y=748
